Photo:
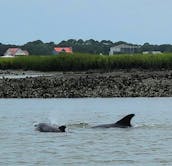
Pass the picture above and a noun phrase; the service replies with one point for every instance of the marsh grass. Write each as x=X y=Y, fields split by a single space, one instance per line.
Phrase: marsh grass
x=79 y=62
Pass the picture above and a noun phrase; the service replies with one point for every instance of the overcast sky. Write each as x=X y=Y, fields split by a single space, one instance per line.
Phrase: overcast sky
x=135 y=21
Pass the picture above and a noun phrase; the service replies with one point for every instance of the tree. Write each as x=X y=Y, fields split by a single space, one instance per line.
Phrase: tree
x=39 y=48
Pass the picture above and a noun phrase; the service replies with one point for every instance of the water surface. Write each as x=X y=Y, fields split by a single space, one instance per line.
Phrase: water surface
x=149 y=142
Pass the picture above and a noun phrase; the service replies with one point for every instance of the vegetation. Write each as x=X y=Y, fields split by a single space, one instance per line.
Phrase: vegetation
x=80 y=62
x=88 y=46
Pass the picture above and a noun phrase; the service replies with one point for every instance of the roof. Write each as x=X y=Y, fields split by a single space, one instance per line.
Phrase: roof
x=125 y=46
x=63 y=49
x=13 y=50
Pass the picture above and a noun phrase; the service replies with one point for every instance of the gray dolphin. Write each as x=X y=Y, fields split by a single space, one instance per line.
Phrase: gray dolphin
x=122 y=123
x=46 y=127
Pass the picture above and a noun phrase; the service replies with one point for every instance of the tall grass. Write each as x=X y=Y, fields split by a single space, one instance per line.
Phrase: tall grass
x=87 y=61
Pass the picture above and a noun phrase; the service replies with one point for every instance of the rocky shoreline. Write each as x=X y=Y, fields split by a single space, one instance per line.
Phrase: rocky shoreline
x=120 y=83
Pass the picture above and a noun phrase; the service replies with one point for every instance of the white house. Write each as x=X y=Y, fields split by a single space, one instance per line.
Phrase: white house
x=151 y=52
x=15 y=52
x=123 y=48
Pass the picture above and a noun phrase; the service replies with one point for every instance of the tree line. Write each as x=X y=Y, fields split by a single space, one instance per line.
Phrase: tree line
x=91 y=46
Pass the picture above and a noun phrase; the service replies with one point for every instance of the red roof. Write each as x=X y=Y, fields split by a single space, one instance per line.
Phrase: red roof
x=13 y=50
x=63 y=49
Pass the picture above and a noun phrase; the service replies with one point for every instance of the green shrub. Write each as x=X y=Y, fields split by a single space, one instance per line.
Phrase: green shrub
x=77 y=61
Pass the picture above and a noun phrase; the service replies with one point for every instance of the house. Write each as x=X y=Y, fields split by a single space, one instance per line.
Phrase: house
x=151 y=52
x=12 y=52
x=124 y=48
x=58 y=50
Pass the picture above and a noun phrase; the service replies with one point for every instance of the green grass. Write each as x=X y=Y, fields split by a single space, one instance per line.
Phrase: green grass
x=77 y=62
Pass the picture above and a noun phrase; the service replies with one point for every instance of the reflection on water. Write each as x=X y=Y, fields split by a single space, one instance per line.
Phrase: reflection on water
x=147 y=143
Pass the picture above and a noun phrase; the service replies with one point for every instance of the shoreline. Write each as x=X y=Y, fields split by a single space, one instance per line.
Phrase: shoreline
x=79 y=84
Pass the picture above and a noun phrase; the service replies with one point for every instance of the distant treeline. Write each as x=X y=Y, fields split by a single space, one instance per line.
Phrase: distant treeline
x=88 y=46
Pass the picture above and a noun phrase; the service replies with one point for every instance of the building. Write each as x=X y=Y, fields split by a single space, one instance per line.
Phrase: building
x=58 y=50
x=12 y=52
x=151 y=52
x=124 y=48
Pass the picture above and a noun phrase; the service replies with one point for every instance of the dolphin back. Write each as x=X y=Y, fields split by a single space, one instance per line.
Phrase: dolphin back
x=45 y=127
x=122 y=123
x=125 y=122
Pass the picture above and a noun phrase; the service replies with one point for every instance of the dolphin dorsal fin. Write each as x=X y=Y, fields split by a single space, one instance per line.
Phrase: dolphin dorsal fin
x=125 y=122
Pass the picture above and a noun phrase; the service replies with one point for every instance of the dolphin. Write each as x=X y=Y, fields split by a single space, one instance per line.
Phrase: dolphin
x=122 y=123
x=46 y=127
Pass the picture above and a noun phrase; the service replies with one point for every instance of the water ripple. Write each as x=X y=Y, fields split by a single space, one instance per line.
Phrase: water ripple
x=147 y=143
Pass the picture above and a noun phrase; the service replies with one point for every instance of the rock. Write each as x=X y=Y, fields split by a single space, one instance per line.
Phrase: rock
x=90 y=84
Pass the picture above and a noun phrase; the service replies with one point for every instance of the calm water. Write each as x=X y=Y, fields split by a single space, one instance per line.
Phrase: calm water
x=149 y=142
